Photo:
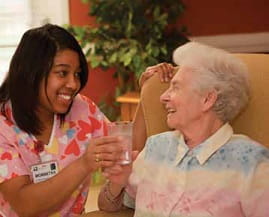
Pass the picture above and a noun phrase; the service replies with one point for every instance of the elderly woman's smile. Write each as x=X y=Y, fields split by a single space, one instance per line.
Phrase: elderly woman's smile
x=182 y=103
x=170 y=110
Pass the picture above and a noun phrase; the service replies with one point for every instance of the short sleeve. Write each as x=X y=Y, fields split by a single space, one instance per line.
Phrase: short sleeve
x=99 y=123
x=89 y=116
x=90 y=122
x=255 y=198
x=11 y=164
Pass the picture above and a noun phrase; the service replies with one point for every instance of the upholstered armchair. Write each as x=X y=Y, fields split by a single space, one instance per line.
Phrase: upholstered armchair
x=253 y=121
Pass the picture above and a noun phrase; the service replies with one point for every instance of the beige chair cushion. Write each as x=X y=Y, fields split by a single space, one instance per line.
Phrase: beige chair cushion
x=254 y=121
x=154 y=113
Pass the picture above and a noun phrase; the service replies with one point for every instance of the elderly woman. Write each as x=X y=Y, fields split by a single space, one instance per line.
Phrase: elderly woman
x=201 y=168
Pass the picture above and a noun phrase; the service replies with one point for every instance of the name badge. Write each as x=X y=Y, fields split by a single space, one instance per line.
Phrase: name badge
x=44 y=171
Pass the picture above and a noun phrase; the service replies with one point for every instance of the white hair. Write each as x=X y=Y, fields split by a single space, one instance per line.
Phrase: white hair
x=216 y=69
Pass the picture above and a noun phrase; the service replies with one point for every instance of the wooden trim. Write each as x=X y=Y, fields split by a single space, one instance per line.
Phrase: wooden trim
x=129 y=97
x=245 y=42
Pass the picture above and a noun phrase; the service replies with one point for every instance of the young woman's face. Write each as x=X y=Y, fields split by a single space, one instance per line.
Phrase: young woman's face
x=62 y=85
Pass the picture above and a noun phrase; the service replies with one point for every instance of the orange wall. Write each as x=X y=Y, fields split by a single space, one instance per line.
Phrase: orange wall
x=205 y=17
x=212 y=17
x=79 y=13
x=202 y=17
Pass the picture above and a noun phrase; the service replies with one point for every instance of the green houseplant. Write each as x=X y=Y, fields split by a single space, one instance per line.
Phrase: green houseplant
x=130 y=36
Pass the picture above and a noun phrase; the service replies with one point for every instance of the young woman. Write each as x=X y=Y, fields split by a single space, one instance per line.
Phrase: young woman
x=51 y=137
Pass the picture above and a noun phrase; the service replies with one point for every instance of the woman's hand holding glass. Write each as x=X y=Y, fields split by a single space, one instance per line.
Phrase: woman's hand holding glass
x=119 y=173
x=102 y=152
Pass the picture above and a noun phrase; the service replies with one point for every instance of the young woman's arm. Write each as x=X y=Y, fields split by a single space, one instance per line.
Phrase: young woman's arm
x=29 y=199
x=139 y=129
x=166 y=72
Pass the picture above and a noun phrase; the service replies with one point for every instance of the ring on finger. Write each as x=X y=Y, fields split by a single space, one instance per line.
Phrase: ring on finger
x=97 y=158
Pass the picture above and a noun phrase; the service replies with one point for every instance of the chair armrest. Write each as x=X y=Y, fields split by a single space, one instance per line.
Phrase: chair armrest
x=122 y=213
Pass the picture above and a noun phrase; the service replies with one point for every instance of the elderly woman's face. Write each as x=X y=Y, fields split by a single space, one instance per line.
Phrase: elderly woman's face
x=184 y=105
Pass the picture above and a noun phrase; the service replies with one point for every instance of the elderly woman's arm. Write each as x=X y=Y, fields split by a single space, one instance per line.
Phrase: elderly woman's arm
x=111 y=197
x=255 y=197
x=165 y=72
x=139 y=129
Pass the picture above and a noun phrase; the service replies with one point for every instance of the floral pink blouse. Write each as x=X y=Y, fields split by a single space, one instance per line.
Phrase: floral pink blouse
x=18 y=150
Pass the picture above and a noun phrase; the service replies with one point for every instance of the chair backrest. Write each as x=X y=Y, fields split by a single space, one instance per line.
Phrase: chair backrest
x=253 y=121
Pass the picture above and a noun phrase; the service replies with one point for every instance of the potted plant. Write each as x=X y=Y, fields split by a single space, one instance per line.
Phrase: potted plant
x=130 y=36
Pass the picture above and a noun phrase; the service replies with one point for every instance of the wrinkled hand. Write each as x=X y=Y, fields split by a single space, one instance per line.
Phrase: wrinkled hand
x=102 y=152
x=119 y=174
x=165 y=71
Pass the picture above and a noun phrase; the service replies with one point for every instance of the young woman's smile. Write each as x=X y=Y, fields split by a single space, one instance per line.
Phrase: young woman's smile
x=63 y=83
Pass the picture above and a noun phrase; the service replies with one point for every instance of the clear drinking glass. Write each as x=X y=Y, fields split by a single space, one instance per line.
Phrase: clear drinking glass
x=125 y=130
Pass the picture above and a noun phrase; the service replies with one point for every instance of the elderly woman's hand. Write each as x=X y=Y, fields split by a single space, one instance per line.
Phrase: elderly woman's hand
x=165 y=71
x=119 y=174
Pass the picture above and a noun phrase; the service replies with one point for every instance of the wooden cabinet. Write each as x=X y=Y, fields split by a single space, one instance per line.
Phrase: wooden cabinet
x=128 y=106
